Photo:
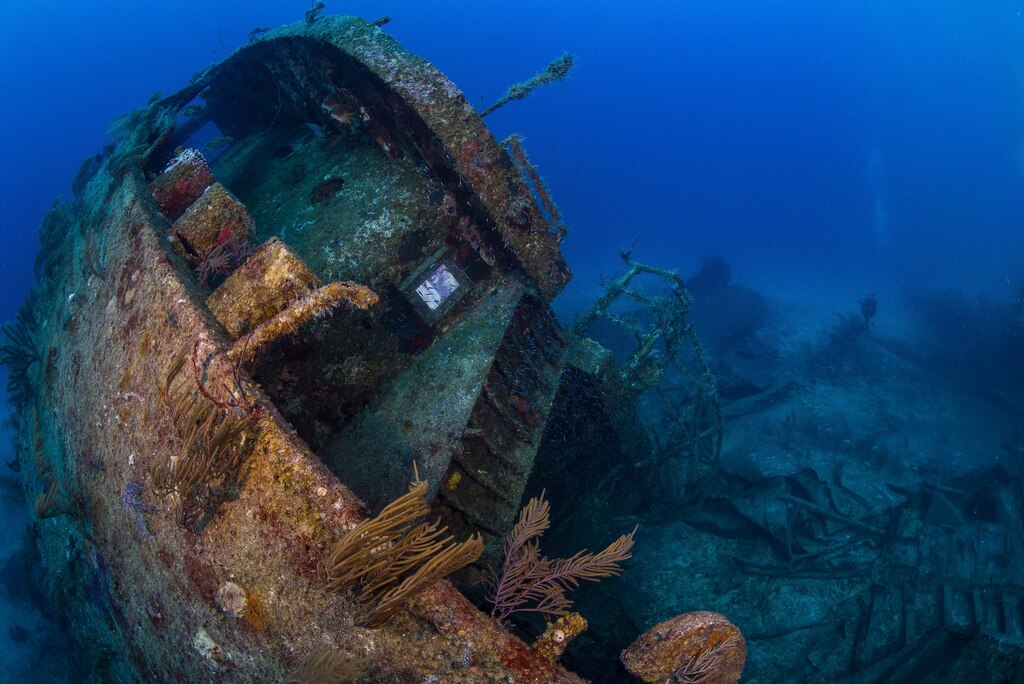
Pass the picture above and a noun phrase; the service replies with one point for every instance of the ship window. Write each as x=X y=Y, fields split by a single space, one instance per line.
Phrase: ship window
x=434 y=288
x=438 y=286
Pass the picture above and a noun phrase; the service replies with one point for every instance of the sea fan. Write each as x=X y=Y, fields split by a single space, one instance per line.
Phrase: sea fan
x=531 y=583
x=391 y=558
x=327 y=667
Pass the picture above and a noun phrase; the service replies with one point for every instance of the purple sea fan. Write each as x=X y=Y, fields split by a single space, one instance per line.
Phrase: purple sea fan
x=223 y=259
x=531 y=583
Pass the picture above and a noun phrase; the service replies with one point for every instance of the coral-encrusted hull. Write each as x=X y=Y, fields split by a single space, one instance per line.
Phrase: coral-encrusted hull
x=236 y=594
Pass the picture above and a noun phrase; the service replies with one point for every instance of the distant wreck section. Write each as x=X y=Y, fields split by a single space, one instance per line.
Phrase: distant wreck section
x=232 y=359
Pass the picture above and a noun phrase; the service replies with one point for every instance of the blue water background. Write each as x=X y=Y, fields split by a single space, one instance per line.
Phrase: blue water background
x=817 y=146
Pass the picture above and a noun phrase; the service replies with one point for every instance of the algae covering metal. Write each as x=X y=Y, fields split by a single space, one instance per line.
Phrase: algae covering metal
x=354 y=164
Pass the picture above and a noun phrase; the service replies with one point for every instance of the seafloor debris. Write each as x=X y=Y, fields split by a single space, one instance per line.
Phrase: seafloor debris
x=666 y=348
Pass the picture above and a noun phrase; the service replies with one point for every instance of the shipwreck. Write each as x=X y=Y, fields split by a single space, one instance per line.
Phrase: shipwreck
x=283 y=293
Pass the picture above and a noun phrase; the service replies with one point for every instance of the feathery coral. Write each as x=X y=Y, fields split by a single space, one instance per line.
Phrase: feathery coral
x=327 y=667
x=390 y=558
x=214 y=446
x=18 y=352
x=555 y=71
x=531 y=582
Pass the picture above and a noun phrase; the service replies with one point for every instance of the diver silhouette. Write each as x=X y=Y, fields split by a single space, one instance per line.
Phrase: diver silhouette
x=868 y=309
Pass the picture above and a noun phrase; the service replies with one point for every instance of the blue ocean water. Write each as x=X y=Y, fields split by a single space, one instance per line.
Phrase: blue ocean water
x=824 y=150
x=858 y=145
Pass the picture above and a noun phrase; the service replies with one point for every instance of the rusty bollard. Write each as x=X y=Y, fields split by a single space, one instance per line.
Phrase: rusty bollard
x=693 y=647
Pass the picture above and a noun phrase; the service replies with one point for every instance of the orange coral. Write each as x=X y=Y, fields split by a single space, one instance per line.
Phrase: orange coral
x=553 y=642
x=255 y=614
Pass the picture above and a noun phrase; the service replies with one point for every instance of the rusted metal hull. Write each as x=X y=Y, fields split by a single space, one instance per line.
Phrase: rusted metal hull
x=241 y=598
